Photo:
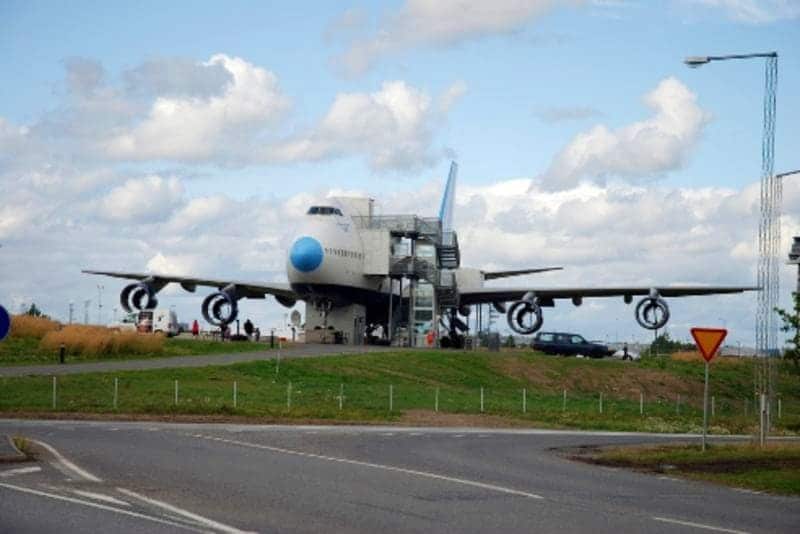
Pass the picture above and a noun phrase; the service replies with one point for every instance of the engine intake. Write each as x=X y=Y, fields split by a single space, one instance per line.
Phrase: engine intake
x=139 y=296
x=525 y=317
x=652 y=313
x=221 y=308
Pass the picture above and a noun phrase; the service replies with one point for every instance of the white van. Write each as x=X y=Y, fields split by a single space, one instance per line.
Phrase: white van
x=161 y=321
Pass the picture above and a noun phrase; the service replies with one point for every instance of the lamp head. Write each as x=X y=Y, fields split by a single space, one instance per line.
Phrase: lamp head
x=696 y=61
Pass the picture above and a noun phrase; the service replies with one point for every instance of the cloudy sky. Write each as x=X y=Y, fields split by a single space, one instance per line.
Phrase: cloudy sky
x=189 y=138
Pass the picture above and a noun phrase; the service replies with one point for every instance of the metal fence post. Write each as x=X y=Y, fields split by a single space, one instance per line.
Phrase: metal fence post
x=341 y=396
x=779 y=407
x=641 y=403
x=54 y=393
x=564 y=401
x=481 y=399
x=176 y=393
x=116 y=392
x=601 y=402
x=235 y=395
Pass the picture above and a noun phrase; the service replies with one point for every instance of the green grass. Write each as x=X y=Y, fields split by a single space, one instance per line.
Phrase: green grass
x=26 y=351
x=365 y=379
x=776 y=468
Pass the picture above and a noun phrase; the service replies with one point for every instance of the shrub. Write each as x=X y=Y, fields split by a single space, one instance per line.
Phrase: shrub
x=31 y=326
x=99 y=341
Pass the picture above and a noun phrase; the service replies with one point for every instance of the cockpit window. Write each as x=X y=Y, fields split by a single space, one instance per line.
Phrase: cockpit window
x=324 y=210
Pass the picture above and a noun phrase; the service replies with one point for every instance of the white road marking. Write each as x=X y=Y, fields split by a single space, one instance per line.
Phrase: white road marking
x=416 y=434
x=424 y=474
x=699 y=525
x=98 y=506
x=100 y=497
x=204 y=521
x=65 y=465
x=19 y=471
x=458 y=435
x=388 y=434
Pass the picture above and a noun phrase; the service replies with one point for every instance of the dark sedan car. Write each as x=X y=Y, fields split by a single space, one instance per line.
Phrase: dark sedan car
x=568 y=345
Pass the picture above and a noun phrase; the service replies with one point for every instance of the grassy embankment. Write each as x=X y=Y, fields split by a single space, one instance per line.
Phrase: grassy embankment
x=415 y=377
x=34 y=340
x=776 y=468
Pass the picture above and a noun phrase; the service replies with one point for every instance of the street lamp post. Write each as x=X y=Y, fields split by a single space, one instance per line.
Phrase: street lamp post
x=769 y=223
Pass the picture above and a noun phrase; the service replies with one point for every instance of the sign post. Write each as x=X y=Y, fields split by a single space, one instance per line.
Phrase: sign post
x=708 y=340
x=5 y=323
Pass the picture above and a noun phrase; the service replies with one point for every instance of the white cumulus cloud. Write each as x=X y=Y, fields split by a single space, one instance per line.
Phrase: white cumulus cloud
x=636 y=151
x=437 y=22
x=147 y=199
x=393 y=127
x=755 y=11
x=197 y=128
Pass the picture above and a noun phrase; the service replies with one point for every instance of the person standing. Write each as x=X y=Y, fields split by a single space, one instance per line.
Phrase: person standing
x=195 y=328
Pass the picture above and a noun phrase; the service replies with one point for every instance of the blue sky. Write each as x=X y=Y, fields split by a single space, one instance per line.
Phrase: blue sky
x=593 y=61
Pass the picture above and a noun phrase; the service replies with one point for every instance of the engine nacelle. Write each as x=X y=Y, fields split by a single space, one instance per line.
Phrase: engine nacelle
x=652 y=313
x=139 y=296
x=221 y=308
x=525 y=317
x=285 y=301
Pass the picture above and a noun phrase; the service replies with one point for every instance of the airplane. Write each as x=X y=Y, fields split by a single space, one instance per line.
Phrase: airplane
x=345 y=261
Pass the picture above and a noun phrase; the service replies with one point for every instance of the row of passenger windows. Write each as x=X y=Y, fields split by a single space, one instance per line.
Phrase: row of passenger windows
x=344 y=253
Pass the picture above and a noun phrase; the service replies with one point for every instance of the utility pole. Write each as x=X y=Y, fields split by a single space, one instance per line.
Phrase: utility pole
x=71 y=311
x=769 y=229
x=86 y=304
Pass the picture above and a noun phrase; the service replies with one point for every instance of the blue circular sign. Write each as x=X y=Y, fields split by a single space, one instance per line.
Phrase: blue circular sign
x=306 y=254
x=5 y=323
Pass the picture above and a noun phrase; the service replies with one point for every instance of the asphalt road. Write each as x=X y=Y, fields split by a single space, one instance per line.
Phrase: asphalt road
x=131 y=477
x=297 y=351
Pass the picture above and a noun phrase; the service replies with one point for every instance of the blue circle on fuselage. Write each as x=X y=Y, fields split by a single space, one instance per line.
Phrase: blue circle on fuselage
x=306 y=254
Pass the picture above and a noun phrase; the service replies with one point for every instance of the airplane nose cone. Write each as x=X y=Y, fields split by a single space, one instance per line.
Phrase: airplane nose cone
x=306 y=254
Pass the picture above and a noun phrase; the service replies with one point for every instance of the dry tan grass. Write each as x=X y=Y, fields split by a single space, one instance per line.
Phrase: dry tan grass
x=97 y=340
x=694 y=356
x=29 y=326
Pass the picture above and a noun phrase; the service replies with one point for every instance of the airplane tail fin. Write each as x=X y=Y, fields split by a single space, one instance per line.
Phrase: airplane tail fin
x=448 y=199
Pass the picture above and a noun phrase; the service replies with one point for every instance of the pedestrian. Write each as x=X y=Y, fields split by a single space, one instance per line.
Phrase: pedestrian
x=258 y=334
x=195 y=328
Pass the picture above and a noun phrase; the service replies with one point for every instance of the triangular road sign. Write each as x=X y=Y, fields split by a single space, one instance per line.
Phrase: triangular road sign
x=708 y=340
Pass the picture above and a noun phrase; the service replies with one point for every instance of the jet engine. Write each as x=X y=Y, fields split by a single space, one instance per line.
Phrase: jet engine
x=285 y=301
x=221 y=308
x=525 y=317
x=652 y=312
x=139 y=296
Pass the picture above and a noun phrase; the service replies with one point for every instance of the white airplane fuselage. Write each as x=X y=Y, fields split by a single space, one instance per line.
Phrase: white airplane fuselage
x=326 y=262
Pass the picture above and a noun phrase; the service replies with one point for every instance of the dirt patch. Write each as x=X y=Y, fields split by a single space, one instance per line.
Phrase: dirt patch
x=534 y=374
x=620 y=381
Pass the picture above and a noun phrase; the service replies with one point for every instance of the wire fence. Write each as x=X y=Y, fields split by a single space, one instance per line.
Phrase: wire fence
x=331 y=400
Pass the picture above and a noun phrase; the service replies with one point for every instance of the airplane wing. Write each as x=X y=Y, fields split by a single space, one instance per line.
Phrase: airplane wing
x=247 y=289
x=507 y=294
x=492 y=275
